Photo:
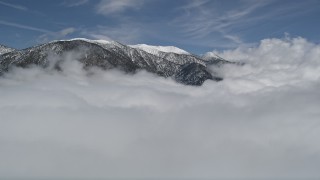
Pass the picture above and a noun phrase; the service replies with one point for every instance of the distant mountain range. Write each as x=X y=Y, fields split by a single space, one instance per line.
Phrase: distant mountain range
x=166 y=61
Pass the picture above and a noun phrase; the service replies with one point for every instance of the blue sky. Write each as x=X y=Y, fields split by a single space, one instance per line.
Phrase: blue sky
x=197 y=26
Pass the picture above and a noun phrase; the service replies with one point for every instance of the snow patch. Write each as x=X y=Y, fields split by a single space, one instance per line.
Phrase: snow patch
x=4 y=49
x=100 y=41
x=158 y=49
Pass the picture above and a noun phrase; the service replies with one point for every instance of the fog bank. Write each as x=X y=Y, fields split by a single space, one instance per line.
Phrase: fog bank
x=261 y=121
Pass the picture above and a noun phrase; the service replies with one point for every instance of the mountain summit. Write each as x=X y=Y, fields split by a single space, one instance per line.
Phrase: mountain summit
x=5 y=49
x=164 y=61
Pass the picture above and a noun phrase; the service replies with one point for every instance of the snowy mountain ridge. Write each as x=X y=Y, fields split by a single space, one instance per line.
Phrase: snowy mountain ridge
x=156 y=49
x=177 y=64
x=100 y=41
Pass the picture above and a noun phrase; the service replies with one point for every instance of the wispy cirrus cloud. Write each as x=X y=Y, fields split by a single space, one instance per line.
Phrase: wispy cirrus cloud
x=26 y=27
x=56 y=35
x=119 y=33
x=202 y=19
x=126 y=30
x=46 y=35
x=74 y=3
x=112 y=7
x=20 y=8
x=15 y=6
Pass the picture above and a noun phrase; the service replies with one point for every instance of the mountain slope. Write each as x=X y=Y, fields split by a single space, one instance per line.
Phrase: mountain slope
x=212 y=58
x=194 y=74
x=184 y=68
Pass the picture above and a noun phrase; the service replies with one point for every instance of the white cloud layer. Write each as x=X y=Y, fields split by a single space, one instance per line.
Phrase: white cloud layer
x=261 y=121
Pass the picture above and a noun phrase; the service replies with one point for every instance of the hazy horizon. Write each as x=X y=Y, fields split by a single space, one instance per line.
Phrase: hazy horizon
x=261 y=121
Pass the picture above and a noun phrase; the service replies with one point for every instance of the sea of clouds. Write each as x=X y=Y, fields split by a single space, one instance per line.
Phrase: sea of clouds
x=261 y=121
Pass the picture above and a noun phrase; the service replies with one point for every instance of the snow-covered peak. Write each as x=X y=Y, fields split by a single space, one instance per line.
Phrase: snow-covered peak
x=156 y=49
x=91 y=41
x=4 y=49
x=211 y=55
